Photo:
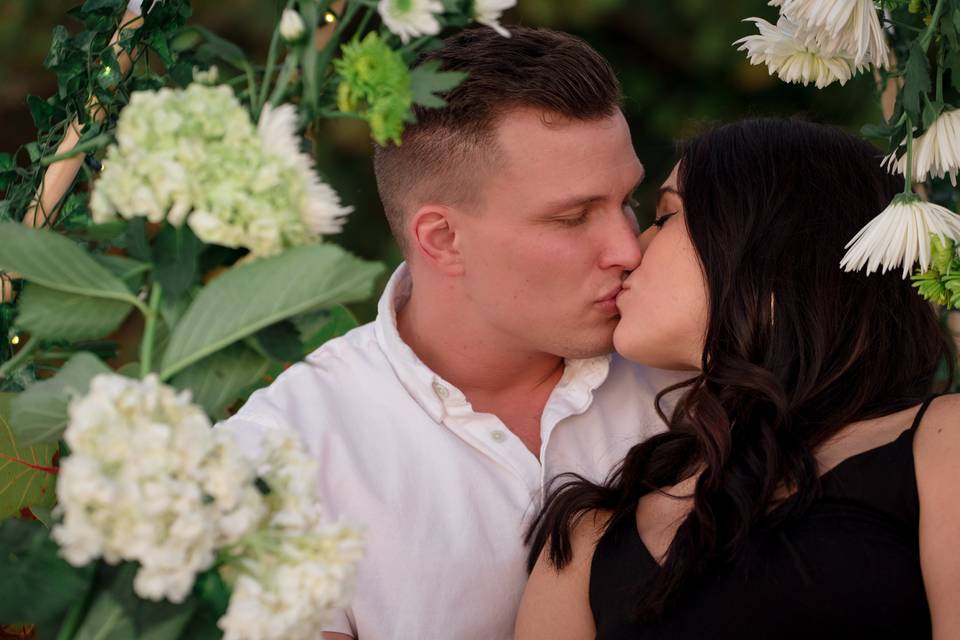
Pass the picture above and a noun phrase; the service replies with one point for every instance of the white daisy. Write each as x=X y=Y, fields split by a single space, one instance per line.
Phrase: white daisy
x=777 y=46
x=411 y=18
x=936 y=153
x=849 y=26
x=900 y=235
x=488 y=12
x=277 y=128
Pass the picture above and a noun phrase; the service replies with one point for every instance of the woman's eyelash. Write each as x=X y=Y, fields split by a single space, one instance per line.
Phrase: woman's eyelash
x=662 y=220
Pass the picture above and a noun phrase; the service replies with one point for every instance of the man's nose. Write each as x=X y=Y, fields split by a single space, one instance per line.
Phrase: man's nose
x=623 y=248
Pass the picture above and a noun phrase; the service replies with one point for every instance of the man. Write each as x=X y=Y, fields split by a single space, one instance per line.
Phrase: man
x=486 y=373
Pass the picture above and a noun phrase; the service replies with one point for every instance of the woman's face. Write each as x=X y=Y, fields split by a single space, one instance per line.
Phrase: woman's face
x=663 y=305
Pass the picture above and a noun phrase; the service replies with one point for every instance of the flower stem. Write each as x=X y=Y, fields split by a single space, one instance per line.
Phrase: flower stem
x=908 y=174
x=90 y=145
x=331 y=47
x=150 y=330
x=271 y=63
x=18 y=358
x=927 y=37
x=283 y=80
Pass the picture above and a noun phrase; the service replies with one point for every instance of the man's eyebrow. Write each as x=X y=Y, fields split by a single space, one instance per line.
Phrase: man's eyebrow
x=573 y=202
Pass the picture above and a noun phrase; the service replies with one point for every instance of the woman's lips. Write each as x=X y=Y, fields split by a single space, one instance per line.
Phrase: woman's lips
x=609 y=302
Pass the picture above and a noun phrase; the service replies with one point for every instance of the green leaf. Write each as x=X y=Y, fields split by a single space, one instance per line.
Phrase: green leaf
x=427 y=80
x=26 y=476
x=135 y=239
x=176 y=253
x=49 y=314
x=129 y=270
x=108 y=73
x=158 y=42
x=281 y=341
x=38 y=585
x=931 y=111
x=57 y=46
x=338 y=322
x=217 y=48
x=916 y=82
x=48 y=259
x=39 y=414
x=41 y=111
x=118 y=613
x=217 y=381
x=227 y=311
x=98 y=5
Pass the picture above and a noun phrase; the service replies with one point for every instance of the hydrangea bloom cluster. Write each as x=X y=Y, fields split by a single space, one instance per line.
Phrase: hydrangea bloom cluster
x=193 y=156
x=297 y=568
x=149 y=481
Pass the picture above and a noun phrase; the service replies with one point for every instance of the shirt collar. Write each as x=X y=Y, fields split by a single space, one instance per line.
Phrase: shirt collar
x=572 y=395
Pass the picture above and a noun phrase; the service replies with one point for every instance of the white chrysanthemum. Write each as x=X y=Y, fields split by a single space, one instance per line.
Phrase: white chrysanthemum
x=411 y=18
x=936 y=153
x=851 y=27
x=488 y=12
x=785 y=56
x=900 y=236
x=194 y=156
x=292 y=27
x=148 y=481
x=322 y=212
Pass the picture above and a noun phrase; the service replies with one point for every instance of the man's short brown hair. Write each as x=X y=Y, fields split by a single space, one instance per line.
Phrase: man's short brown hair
x=446 y=151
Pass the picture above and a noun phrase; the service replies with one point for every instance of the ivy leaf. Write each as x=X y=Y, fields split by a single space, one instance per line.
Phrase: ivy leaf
x=98 y=5
x=917 y=81
x=60 y=42
x=108 y=75
x=27 y=476
x=158 y=42
x=427 y=80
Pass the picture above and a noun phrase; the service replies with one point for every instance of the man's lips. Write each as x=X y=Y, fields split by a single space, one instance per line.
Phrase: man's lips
x=611 y=295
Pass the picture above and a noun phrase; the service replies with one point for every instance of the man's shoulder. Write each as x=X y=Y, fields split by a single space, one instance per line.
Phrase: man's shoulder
x=339 y=372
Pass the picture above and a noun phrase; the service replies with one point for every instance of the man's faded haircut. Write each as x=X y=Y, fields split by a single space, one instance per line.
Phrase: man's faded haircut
x=446 y=153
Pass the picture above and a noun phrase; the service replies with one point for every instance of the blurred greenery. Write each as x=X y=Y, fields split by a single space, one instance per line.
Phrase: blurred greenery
x=675 y=59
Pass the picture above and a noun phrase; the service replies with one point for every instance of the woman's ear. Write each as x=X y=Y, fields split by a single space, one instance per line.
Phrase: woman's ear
x=434 y=236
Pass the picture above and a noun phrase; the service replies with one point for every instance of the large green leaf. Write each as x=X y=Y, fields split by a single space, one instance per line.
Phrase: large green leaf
x=38 y=585
x=39 y=414
x=118 y=614
x=26 y=475
x=257 y=295
x=176 y=254
x=47 y=258
x=218 y=380
x=56 y=315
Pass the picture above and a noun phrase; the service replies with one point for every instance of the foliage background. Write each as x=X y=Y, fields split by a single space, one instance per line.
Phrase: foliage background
x=675 y=59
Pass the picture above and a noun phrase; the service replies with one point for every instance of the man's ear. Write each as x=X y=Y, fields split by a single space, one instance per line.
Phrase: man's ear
x=434 y=236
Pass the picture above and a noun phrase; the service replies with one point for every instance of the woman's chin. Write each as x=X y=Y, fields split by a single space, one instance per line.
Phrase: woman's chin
x=650 y=353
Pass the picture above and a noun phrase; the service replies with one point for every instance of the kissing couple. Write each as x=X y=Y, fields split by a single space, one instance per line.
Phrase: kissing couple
x=763 y=455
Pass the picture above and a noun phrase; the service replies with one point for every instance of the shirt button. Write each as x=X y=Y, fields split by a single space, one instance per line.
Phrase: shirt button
x=440 y=390
x=498 y=436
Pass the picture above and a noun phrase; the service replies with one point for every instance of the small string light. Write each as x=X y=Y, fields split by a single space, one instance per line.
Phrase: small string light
x=15 y=340
x=329 y=17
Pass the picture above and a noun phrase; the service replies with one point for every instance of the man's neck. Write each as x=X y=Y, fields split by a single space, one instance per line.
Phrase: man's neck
x=474 y=358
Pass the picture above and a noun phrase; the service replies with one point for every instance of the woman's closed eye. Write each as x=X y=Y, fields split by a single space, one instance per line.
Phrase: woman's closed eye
x=662 y=220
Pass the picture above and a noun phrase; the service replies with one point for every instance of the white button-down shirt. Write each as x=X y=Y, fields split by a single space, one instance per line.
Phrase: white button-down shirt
x=442 y=493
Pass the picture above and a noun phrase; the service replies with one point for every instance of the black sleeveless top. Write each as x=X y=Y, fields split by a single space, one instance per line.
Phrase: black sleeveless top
x=848 y=568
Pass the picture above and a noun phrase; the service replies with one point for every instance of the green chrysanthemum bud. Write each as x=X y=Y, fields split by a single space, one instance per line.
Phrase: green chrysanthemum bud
x=375 y=83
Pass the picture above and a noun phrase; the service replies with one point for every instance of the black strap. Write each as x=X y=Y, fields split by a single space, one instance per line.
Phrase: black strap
x=923 y=410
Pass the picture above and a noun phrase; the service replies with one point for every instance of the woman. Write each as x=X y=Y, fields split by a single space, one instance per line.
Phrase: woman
x=808 y=487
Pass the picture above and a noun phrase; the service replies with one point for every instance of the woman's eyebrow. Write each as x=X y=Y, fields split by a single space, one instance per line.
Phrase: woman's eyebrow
x=664 y=191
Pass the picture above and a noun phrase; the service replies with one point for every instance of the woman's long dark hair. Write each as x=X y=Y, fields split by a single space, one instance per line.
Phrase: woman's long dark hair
x=795 y=349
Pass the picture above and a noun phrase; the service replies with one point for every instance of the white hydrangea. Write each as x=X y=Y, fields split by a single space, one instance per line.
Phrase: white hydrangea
x=194 y=156
x=778 y=47
x=411 y=18
x=290 y=588
x=147 y=480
